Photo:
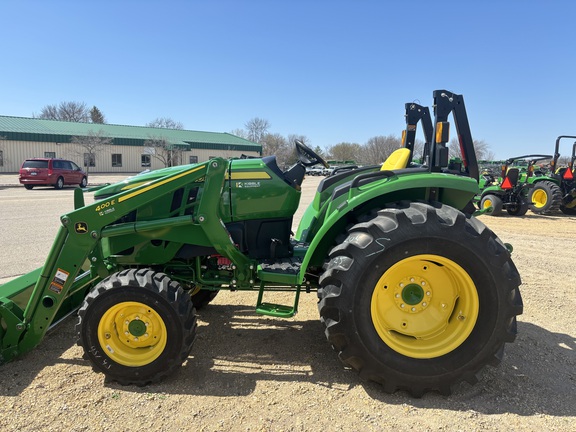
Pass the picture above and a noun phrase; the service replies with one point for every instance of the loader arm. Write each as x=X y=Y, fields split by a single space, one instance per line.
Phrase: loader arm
x=414 y=114
x=30 y=304
x=446 y=103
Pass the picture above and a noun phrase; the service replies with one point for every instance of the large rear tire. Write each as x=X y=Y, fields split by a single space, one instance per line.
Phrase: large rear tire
x=137 y=326
x=420 y=298
x=546 y=197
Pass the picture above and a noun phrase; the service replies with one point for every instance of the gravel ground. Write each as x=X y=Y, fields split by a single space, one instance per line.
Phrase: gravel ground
x=252 y=373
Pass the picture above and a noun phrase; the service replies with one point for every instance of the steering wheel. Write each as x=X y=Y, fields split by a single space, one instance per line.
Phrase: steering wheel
x=307 y=157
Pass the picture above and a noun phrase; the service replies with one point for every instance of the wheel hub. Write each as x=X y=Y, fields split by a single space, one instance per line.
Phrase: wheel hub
x=137 y=328
x=412 y=294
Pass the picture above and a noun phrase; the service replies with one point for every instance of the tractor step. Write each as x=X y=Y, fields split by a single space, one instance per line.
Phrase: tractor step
x=276 y=310
x=281 y=271
x=284 y=266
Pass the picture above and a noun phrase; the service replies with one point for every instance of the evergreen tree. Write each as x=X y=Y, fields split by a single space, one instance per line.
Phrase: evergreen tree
x=96 y=116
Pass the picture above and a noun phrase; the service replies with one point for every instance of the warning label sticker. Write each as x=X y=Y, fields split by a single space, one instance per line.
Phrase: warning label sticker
x=56 y=288
x=60 y=278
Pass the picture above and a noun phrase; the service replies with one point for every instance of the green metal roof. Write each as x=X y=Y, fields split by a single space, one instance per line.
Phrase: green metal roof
x=31 y=129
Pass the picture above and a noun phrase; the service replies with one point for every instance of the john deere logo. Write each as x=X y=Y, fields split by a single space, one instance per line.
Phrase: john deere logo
x=81 y=227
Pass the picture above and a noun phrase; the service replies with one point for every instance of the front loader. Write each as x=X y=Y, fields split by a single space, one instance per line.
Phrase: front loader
x=413 y=291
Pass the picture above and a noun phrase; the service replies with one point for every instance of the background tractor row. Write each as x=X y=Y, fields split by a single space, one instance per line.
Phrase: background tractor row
x=521 y=184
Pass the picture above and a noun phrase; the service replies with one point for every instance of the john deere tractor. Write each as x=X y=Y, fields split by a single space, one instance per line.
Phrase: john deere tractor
x=413 y=291
x=545 y=196
x=504 y=191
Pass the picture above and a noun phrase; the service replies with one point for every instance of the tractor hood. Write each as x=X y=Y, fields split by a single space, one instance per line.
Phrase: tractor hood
x=139 y=179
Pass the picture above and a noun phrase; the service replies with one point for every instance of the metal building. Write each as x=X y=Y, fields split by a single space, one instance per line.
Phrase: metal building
x=121 y=149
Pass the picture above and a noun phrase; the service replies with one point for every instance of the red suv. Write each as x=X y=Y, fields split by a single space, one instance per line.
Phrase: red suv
x=51 y=172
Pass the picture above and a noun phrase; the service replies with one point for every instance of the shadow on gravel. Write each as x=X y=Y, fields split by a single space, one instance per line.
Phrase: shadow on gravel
x=17 y=375
x=236 y=351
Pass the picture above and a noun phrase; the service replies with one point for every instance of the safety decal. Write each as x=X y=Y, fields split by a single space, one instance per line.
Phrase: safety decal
x=60 y=278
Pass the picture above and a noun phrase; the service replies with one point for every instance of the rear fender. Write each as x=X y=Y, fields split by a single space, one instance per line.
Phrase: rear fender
x=492 y=190
x=346 y=206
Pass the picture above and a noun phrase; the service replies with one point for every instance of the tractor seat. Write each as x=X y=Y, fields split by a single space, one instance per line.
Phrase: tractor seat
x=397 y=160
x=513 y=174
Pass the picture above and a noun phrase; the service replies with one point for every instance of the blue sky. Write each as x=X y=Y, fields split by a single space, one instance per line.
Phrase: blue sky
x=335 y=71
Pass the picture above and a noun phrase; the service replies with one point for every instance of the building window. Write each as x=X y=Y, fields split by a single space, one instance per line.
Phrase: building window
x=1 y=158
x=145 y=160
x=49 y=154
x=89 y=160
x=193 y=159
x=116 y=160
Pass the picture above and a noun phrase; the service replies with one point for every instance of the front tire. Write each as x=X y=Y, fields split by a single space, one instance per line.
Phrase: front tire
x=137 y=326
x=83 y=182
x=420 y=298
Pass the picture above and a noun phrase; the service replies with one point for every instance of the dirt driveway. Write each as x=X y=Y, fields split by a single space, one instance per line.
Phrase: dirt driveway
x=253 y=373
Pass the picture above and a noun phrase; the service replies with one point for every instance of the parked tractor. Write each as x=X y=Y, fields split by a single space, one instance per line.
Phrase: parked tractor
x=413 y=291
x=545 y=196
x=564 y=175
x=506 y=191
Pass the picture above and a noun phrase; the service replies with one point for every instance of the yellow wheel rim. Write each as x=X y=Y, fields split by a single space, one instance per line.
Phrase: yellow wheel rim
x=539 y=198
x=487 y=203
x=132 y=334
x=424 y=306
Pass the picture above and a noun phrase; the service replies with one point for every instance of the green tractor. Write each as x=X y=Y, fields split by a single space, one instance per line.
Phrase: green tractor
x=564 y=175
x=413 y=291
x=545 y=196
x=506 y=191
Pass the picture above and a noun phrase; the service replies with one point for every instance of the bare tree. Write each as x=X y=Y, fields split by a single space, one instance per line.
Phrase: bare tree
x=165 y=123
x=344 y=151
x=276 y=144
x=91 y=145
x=378 y=148
x=66 y=111
x=481 y=148
x=160 y=148
x=418 y=152
x=239 y=133
x=257 y=128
